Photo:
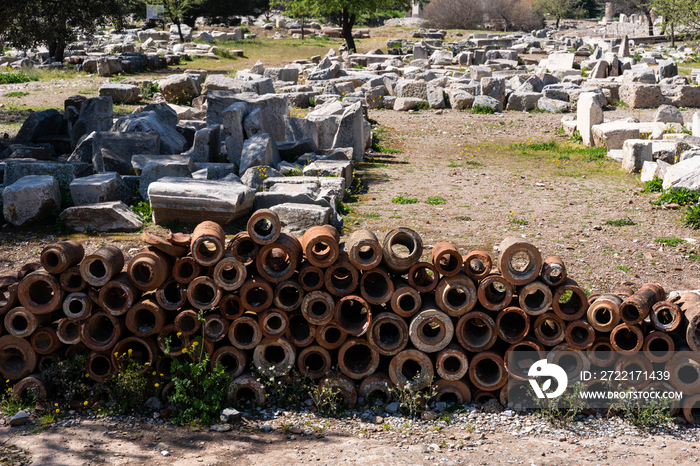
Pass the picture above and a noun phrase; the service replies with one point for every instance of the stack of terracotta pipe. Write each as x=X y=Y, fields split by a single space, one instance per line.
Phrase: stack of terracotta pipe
x=371 y=309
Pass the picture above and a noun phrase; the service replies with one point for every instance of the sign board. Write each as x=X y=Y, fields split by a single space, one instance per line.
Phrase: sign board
x=154 y=11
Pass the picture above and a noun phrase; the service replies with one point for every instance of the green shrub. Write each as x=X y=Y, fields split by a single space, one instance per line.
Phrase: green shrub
x=576 y=137
x=328 y=400
x=483 y=109
x=15 y=77
x=670 y=241
x=401 y=199
x=129 y=388
x=289 y=388
x=655 y=185
x=436 y=200
x=692 y=217
x=143 y=211
x=681 y=196
x=67 y=380
x=198 y=391
x=644 y=413
x=622 y=222
x=412 y=400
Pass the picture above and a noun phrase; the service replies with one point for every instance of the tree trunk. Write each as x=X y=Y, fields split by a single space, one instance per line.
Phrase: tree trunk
x=52 y=49
x=673 y=37
x=179 y=31
x=302 y=28
x=348 y=22
x=651 y=23
x=60 y=49
x=557 y=25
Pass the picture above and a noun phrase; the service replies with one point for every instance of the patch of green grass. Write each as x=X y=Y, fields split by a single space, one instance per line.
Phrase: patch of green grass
x=518 y=221
x=395 y=216
x=692 y=217
x=655 y=185
x=341 y=207
x=620 y=222
x=624 y=268
x=466 y=163
x=576 y=137
x=16 y=94
x=371 y=215
x=401 y=199
x=670 y=240
x=463 y=218
x=681 y=196
x=483 y=109
x=15 y=77
x=436 y=200
x=143 y=211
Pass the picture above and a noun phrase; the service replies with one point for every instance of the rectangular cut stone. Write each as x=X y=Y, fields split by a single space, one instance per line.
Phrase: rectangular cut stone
x=194 y=201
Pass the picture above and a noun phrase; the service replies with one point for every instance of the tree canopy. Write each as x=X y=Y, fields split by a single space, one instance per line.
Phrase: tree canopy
x=561 y=9
x=56 y=23
x=348 y=11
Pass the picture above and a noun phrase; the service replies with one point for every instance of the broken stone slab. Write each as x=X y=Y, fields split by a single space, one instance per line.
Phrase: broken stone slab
x=297 y=218
x=63 y=172
x=331 y=168
x=215 y=171
x=33 y=151
x=171 y=142
x=195 y=201
x=274 y=108
x=494 y=88
x=291 y=151
x=614 y=134
x=164 y=111
x=651 y=170
x=668 y=114
x=589 y=112
x=523 y=101
x=178 y=88
x=403 y=104
x=95 y=115
x=155 y=170
x=253 y=124
x=634 y=153
x=38 y=124
x=102 y=187
x=259 y=150
x=553 y=106
x=560 y=61
x=487 y=101
x=103 y=217
x=335 y=184
x=30 y=199
x=122 y=146
x=460 y=99
x=676 y=172
x=120 y=93
x=207 y=145
x=139 y=161
x=234 y=137
x=350 y=131
x=297 y=129
x=642 y=95
x=217 y=82
x=255 y=176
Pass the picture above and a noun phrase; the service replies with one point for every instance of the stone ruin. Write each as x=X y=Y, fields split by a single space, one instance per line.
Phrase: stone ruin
x=230 y=154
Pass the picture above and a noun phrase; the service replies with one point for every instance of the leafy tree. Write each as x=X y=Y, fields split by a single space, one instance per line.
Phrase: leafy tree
x=56 y=23
x=176 y=11
x=348 y=11
x=682 y=13
x=560 y=9
x=225 y=8
x=296 y=10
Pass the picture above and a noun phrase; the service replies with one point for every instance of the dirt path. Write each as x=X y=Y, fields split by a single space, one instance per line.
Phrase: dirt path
x=112 y=443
